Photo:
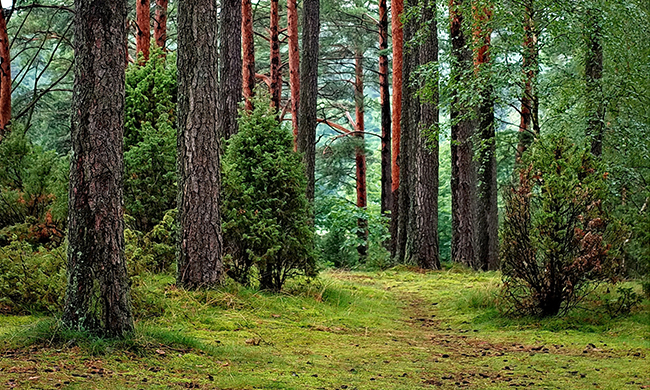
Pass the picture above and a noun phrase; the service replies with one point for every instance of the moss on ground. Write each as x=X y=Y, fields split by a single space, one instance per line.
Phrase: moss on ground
x=396 y=329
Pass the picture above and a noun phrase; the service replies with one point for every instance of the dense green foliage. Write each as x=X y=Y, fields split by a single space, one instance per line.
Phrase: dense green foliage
x=266 y=215
x=555 y=236
x=33 y=192
x=150 y=140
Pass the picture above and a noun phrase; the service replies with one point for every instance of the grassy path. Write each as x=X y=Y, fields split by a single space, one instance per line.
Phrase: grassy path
x=390 y=330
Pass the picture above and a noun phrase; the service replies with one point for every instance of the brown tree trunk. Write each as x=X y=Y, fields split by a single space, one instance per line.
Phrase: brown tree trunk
x=294 y=66
x=405 y=247
x=160 y=24
x=487 y=220
x=463 y=172
x=594 y=100
x=230 y=88
x=5 y=77
x=309 y=90
x=360 y=154
x=426 y=165
x=97 y=296
x=143 y=35
x=529 y=123
x=384 y=97
x=276 y=82
x=199 y=179
x=248 y=48
x=398 y=44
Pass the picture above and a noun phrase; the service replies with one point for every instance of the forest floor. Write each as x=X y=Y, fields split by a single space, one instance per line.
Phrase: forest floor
x=395 y=329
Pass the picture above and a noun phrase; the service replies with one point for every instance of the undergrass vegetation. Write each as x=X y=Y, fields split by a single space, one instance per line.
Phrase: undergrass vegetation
x=400 y=328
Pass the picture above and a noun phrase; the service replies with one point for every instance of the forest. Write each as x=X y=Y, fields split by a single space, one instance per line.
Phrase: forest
x=324 y=194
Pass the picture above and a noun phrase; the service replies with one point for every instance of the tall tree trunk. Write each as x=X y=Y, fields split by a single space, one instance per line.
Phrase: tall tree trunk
x=199 y=179
x=398 y=45
x=160 y=24
x=360 y=153
x=426 y=166
x=463 y=172
x=97 y=296
x=384 y=97
x=5 y=77
x=529 y=123
x=487 y=220
x=309 y=90
x=248 y=66
x=143 y=35
x=230 y=88
x=294 y=66
x=276 y=83
x=406 y=246
x=594 y=101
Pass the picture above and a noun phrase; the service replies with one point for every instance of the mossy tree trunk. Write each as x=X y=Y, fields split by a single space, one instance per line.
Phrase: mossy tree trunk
x=97 y=297
x=5 y=76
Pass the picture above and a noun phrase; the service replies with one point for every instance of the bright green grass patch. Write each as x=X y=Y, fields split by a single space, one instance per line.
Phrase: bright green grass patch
x=394 y=329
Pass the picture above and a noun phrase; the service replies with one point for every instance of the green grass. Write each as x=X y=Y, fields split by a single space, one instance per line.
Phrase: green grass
x=395 y=329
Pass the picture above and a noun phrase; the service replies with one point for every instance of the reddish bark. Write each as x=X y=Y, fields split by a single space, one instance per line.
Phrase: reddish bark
x=398 y=44
x=384 y=96
x=487 y=216
x=143 y=35
x=5 y=77
x=160 y=24
x=248 y=68
x=529 y=124
x=276 y=83
x=294 y=66
x=360 y=153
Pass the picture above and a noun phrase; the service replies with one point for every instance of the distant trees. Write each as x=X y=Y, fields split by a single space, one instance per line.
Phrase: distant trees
x=97 y=297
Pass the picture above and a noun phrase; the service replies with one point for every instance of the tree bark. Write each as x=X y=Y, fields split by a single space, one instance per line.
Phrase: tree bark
x=276 y=82
x=398 y=43
x=529 y=123
x=487 y=220
x=406 y=247
x=230 y=87
x=309 y=90
x=426 y=167
x=248 y=48
x=384 y=97
x=294 y=66
x=199 y=180
x=5 y=77
x=594 y=102
x=360 y=154
x=143 y=35
x=463 y=171
x=160 y=24
x=97 y=296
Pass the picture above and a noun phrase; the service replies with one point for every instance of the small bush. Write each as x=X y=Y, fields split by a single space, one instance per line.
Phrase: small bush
x=31 y=280
x=33 y=192
x=556 y=236
x=266 y=214
x=150 y=140
x=155 y=251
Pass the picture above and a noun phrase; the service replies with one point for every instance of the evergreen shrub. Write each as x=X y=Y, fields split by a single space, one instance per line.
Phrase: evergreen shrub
x=266 y=214
x=150 y=140
x=557 y=238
